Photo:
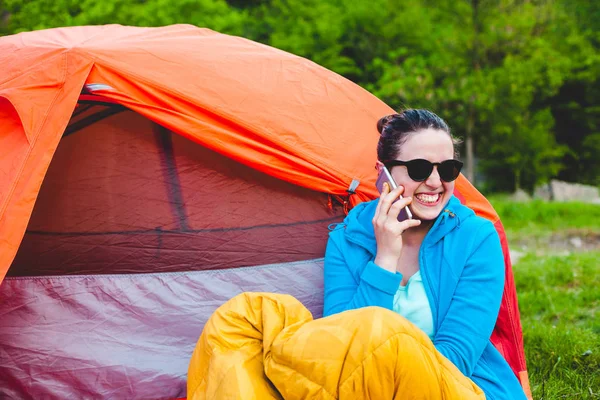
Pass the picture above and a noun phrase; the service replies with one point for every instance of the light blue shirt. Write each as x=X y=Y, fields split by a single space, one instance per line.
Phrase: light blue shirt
x=412 y=303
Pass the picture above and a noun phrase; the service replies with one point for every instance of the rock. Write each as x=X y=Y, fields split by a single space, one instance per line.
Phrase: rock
x=576 y=242
x=520 y=196
x=564 y=191
x=515 y=255
x=543 y=192
x=587 y=353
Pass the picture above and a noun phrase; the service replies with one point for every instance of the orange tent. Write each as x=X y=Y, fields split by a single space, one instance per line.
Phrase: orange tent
x=156 y=151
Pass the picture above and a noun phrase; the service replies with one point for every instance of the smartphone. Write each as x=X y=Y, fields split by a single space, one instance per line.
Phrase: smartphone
x=385 y=176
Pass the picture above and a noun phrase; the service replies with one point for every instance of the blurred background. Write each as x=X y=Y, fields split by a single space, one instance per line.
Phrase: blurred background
x=518 y=80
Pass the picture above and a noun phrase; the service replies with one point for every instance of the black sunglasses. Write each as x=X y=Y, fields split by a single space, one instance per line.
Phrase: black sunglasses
x=420 y=169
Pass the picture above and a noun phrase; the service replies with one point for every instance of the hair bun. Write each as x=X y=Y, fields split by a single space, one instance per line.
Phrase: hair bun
x=383 y=121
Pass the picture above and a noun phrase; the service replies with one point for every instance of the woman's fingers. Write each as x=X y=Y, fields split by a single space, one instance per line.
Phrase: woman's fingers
x=398 y=206
x=384 y=191
x=409 y=223
x=387 y=199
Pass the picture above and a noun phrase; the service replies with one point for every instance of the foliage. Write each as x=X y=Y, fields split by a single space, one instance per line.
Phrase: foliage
x=518 y=78
x=41 y=14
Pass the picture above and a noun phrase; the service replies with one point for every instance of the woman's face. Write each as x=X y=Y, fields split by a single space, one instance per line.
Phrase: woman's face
x=431 y=195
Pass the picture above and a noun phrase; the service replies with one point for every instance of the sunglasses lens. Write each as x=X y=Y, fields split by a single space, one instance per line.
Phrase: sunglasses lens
x=419 y=169
x=449 y=170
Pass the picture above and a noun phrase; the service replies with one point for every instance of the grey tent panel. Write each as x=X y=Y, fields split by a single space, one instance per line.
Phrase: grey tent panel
x=123 y=336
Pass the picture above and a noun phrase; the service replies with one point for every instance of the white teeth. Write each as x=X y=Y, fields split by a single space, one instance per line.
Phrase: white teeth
x=427 y=198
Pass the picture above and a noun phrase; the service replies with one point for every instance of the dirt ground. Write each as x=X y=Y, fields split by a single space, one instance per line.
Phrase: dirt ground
x=558 y=243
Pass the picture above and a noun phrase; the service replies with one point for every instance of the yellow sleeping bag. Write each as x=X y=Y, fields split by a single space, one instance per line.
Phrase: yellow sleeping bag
x=267 y=346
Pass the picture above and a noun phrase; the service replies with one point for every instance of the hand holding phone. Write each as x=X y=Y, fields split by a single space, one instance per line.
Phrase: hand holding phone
x=386 y=177
x=388 y=233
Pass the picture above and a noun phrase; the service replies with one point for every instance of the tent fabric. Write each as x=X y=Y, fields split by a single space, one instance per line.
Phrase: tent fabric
x=124 y=336
x=276 y=121
x=273 y=111
x=124 y=195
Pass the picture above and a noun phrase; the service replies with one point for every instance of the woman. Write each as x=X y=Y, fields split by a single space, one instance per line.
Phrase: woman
x=443 y=270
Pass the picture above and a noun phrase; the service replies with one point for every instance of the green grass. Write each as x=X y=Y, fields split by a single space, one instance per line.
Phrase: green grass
x=538 y=219
x=559 y=297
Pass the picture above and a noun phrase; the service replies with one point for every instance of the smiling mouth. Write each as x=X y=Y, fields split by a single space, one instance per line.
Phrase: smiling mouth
x=428 y=199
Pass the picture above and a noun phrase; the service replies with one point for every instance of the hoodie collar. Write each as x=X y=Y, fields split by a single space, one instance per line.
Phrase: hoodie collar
x=359 y=225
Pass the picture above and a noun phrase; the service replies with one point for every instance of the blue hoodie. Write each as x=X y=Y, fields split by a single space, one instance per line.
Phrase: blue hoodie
x=462 y=266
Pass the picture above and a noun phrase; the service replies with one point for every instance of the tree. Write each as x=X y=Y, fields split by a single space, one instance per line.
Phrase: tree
x=41 y=14
x=491 y=81
x=576 y=106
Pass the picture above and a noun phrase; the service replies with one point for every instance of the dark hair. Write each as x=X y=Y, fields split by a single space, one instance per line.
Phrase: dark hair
x=395 y=129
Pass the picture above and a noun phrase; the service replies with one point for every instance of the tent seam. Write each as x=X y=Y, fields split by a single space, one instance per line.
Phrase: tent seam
x=251 y=128
x=34 y=138
x=28 y=70
x=167 y=274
